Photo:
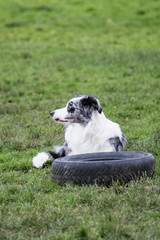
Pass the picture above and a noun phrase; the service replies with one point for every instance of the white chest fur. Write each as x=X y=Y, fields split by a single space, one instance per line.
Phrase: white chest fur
x=94 y=137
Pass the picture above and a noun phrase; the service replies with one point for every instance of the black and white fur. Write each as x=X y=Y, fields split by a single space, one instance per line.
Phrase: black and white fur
x=87 y=130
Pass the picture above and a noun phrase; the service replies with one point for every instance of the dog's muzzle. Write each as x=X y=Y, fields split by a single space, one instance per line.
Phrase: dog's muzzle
x=52 y=113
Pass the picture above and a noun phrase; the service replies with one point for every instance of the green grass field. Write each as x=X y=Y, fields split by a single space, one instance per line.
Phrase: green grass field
x=51 y=50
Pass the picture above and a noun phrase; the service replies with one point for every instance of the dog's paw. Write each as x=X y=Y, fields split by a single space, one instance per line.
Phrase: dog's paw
x=40 y=159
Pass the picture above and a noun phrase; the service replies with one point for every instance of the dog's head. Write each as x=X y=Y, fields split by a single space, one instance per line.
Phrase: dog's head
x=78 y=110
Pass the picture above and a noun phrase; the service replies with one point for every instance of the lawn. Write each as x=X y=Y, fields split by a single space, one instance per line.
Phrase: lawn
x=51 y=50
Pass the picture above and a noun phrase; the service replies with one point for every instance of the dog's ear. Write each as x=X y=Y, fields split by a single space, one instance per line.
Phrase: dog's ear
x=91 y=101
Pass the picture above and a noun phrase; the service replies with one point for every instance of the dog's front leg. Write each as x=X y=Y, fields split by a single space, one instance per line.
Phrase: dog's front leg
x=41 y=158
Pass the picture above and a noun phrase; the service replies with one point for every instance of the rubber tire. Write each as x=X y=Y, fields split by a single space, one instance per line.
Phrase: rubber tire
x=103 y=168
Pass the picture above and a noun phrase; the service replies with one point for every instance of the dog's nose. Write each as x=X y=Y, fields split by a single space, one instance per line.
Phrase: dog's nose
x=52 y=113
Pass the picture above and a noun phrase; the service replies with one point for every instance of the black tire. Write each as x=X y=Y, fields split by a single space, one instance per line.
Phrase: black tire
x=103 y=168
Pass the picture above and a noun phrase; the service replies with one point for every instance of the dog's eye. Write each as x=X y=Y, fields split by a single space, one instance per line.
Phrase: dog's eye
x=72 y=110
x=70 y=107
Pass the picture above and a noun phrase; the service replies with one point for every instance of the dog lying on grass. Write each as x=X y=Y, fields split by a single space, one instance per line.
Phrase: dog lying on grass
x=87 y=130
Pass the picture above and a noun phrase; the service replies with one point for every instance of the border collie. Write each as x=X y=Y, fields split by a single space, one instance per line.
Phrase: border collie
x=87 y=130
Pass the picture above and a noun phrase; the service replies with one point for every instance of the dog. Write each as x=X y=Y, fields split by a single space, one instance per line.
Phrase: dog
x=87 y=130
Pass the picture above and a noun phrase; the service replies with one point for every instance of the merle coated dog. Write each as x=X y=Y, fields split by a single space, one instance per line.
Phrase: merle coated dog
x=87 y=130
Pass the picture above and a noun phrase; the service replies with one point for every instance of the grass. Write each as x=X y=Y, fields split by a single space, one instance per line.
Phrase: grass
x=50 y=51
